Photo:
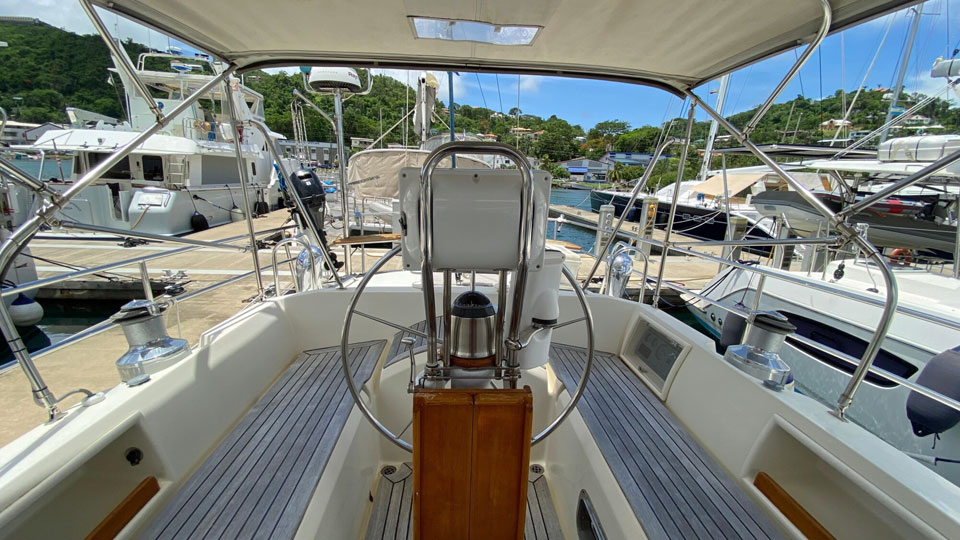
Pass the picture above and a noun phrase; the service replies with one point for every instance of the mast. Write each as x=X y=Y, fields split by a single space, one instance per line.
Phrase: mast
x=721 y=97
x=903 y=69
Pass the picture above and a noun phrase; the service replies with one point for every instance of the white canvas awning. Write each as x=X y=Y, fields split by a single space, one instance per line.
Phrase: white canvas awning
x=738 y=182
x=672 y=45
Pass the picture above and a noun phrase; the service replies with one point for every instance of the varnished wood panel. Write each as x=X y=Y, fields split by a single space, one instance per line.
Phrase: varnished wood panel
x=471 y=456
x=442 y=452
x=117 y=519
x=502 y=424
x=790 y=508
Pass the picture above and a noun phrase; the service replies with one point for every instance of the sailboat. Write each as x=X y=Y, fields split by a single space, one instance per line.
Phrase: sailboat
x=401 y=404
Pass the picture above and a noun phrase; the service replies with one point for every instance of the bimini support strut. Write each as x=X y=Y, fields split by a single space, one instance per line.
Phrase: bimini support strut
x=801 y=60
x=237 y=128
x=302 y=208
x=123 y=61
x=846 y=231
x=46 y=215
x=633 y=197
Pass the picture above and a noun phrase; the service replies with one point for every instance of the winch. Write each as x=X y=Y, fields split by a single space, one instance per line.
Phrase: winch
x=759 y=354
x=151 y=349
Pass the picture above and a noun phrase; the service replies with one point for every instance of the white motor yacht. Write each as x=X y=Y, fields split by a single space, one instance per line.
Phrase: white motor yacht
x=403 y=405
x=183 y=178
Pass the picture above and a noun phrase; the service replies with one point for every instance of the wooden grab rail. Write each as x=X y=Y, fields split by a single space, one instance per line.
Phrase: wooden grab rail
x=128 y=508
x=790 y=508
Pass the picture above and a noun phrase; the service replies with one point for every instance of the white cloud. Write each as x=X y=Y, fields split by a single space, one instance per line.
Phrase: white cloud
x=530 y=83
x=927 y=85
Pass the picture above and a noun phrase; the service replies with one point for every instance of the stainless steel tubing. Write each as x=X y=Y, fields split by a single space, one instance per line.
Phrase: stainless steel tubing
x=673 y=206
x=587 y=368
x=827 y=240
x=345 y=351
x=426 y=234
x=36 y=284
x=342 y=172
x=633 y=197
x=12 y=245
x=890 y=281
x=821 y=34
x=276 y=269
x=123 y=61
x=922 y=174
x=622 y=247
x=22 y=178
x=278 y=158
x=237 y=128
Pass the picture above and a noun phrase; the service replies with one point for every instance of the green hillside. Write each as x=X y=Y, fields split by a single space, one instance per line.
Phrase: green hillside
x=51 y=69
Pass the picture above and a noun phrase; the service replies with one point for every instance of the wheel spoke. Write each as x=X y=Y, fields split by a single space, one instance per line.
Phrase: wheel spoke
x=393 y=325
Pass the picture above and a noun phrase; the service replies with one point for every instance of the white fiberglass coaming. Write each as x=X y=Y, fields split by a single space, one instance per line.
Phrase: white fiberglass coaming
x=928 y=325
x=712 y=432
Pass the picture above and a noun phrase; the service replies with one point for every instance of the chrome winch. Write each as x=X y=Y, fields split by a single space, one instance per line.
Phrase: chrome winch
x=151 y=349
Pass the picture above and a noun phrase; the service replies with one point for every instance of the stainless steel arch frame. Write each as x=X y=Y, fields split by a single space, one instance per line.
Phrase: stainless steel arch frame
x=426 y=237
x=384 y=430
x=845 y=230
x=12 y=245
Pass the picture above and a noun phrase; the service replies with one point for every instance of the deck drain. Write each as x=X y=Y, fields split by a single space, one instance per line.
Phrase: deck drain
x=536 y=469
x=388 y=470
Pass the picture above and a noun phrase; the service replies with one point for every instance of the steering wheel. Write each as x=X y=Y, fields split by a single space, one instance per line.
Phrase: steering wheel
x=355 y=392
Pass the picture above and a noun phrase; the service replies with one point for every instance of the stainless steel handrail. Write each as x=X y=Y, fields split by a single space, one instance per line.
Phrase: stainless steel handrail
x=673 y=204
x=276 y=271
x=633 y=197
x=237 y=129
x=817 y=284
x=301 y=207
x=103 y=326
x=622 y=247
x=426 y=235
x=20 y=237
x=43 y=282
x=920 y=389
x=890 y=281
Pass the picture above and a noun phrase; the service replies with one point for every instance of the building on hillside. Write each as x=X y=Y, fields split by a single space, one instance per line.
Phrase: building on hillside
x=321 y=153
x=22 y=21
x=521 y=132
x=536 y=135
x=360 y=142
x=497 y=115
x=16 y=133
x=835 y=123
x=488 y=137
x=586 y=170
x=630 y=159
x=580 y=139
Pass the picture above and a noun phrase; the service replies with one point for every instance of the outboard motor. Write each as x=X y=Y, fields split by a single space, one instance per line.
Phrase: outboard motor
x=151 y=349
x=310 y=190
x=759 y=355
x=941 y=374
x=473 y=341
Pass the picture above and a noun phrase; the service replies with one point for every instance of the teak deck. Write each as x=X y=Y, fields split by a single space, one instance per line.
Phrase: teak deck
x=258 y=481
x=675 y=488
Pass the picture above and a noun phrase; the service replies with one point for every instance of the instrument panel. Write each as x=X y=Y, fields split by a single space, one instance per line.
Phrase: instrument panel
x=654 y=353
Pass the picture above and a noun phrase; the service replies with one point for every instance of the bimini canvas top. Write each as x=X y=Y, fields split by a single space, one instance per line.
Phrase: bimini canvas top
x=673 y=45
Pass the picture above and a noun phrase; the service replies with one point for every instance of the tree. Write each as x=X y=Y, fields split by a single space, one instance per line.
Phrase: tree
x=608 y=130
x=638 y=140
x=515 y=112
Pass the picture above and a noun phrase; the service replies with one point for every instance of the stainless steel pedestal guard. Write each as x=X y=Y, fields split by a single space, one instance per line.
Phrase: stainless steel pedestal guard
x=384 y=430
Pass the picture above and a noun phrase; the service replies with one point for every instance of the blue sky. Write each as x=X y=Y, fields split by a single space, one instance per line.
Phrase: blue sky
x=587 y=102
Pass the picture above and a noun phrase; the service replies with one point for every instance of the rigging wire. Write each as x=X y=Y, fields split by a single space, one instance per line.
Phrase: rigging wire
x=497 y=75
x=481 y=90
